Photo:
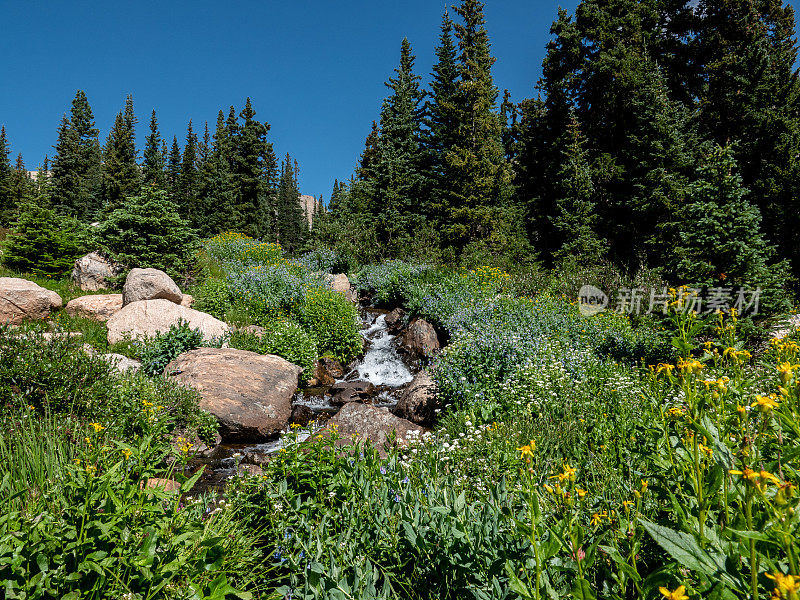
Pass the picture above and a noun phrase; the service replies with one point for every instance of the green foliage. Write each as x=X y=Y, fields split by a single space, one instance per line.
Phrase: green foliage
x=121 y=175
x=43 y=243
x=213 y=297
x=167 y=346
x=283 y=338
x=102 y=533
x=149 y=232
x=333 y=321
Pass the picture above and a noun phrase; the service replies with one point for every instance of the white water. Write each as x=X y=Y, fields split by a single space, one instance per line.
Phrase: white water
x=381 y=364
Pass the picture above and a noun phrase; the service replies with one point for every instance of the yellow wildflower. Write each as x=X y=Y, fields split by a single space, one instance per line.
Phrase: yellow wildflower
x=679 y=593
x=785 y=585
x=97 y=427
x=126 y=453
x=597 y=518
x=765 y=404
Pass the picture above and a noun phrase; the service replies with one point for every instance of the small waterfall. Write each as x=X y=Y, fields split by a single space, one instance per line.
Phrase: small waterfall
x=381 y=365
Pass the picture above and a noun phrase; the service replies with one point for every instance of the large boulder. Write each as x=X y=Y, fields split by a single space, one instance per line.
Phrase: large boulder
x=147 y=318
x=395 y=321
x=99 y=307
x=327 y=371
x=373 y=424
x=94 y=271
x=250 y=394
x=340 y=283
x=21 y=300
x=351 y=391
x=418 y=403
x=150 y=284
x=420 y=339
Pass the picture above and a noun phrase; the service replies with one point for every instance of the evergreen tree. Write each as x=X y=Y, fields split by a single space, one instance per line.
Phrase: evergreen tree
x=43 y=187
x=576 y=218
x=187 y=184
x=174 y=171
x=749 y=94
x=399 y=179
x=22 y=186
x=442 y=118
x=121 y=175
x=291 y=225
x=255 y=170
x=154 y=157
x=77 y=176
x=7 y=206
x=479 y=207
x=215 y=208
x=720 y=240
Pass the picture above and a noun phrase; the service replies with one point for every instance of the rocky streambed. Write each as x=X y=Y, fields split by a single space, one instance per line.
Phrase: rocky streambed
x=381 y=379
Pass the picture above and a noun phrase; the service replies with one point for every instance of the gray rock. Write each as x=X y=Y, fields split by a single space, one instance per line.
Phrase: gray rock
x=419 y=402
x=351 y=391
x=100 y=307
x=146 y=318
x=371 y=424
x=22 y=300
x=94 y=271
x=250 y=394
x=420 y=339
x=150 y=284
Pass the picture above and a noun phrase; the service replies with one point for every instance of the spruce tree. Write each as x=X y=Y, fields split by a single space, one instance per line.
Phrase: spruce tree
x=215 y=209
x=479 y=207
x=121 y=175
x=173 y=174
x=154 y=157
x=7 y=206
x=77 y=174
x=399 y=181
x=721 y=244
x=442 y=119
x=291 y=225
x=187 y=183
x=576 y=218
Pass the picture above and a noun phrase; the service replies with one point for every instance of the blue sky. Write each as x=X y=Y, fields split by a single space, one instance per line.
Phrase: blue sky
x=314 y=70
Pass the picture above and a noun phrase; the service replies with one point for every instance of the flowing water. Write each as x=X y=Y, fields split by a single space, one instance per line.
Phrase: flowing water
x=381 y=365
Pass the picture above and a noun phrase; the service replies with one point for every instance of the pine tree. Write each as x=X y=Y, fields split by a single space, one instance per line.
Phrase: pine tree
x=121 y=175
x=290 y=223
x=7 y=206
x=479 y=207
x=748 y=94
x=576 y=217
x=22 y=186
x=442 y=118
x=399 y=171
x=255 y=170
x=173 y=174
x=187 y=184
x=721 y=244
x=154 y=157
x=215 y=208
x=77 y=176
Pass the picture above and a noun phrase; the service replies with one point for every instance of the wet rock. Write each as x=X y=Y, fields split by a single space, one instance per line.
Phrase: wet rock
x=395 y=321
x=94 y=271
x=250 y=394
x=100 y=307
x=372 y=424
x=146 y=318
x=301 y=415
x=327 y=371
x=150 y=284
x=419 y=402
x=351 y=391
x=420 y=339
x=21 y=300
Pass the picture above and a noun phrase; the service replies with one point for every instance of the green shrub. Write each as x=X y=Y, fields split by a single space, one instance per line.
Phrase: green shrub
x=213 y=297
x=149 y=232
x=333 y=321
x=43 y=243
x=167 y=346
x=282 y=338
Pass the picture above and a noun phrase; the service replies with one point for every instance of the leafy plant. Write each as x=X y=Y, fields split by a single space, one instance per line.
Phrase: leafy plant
x=167 y=346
